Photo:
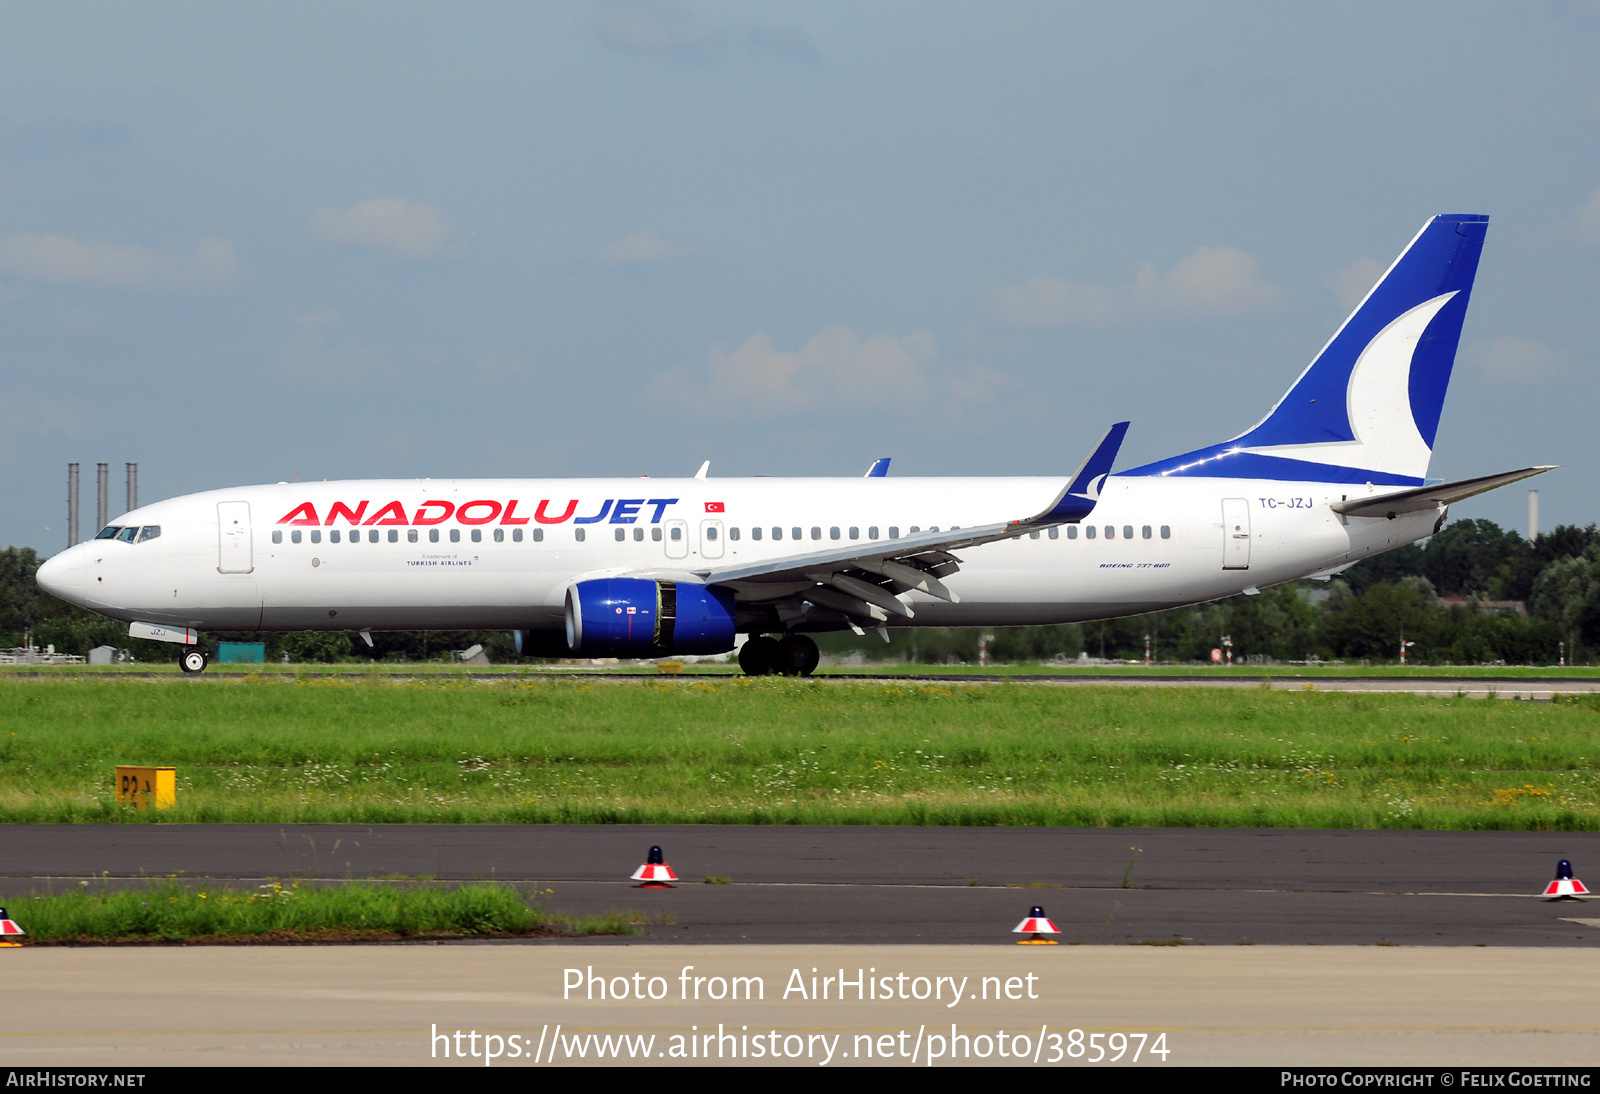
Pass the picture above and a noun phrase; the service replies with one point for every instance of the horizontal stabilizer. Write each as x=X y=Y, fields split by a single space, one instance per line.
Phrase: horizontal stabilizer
x=1431 y=497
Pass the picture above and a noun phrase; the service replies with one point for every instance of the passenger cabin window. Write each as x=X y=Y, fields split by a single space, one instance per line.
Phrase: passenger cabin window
x=333 y=535
x=816 y=532
x=794 y=533
x=655 y=534
x=455 y=535
x=621 y=534
x=394 y=535
x=294 y=536
x=411 y=535
x=1145 y=531
x=1127 y=531
x=577 y=534
x=277 y=535
x=1072 y=531
x=1166 y=531
x=372 y=536
x=516 y=535
x=755 y=533
x=855 y=533
x=733 y=533
x=1033 y=535
x=833 y=533
x=538 y=535
x=915 y=529
x=894 y=532
x=316 y=535
x=1111 y=531
x=711 y=532
x=499 y=535
x=677 y=534
x=638 y=535
x=477 y=535
x=1055 y=533
x=872 y=532
x=109 y=532
x=1088 y=531
x=433 y=535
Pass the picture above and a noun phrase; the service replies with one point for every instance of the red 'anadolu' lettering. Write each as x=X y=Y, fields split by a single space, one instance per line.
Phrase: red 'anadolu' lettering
x=461 y=513
x=305 y=513
x=510 y=516
x=448 y=507
x=352 y=515
x=393 y=513
x=539 y=514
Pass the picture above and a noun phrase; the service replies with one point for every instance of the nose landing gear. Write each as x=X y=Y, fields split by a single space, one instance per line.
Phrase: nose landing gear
x=194 y=660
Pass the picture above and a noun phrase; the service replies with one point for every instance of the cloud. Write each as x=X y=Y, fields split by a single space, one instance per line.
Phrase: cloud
x=1589 y=218
x=835 y=368
x=1352 y=283
x=390 y=224
x=655 y=28
x=1212 y=282
x=637 y=250
x=1516 y=359
x=64 y=260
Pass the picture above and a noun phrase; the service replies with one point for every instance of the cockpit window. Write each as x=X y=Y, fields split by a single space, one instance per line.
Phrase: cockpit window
x=149 y=531
x=109 y=532
x=127 y=534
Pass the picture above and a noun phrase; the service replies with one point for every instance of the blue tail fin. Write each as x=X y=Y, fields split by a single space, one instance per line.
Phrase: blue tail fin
x=1367 y=408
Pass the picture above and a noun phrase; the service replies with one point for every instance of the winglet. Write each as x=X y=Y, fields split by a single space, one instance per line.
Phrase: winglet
x=879 y=468
x=1078 y=499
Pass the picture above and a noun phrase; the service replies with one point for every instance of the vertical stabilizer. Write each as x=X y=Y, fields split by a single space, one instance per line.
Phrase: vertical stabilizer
x=1367 y=408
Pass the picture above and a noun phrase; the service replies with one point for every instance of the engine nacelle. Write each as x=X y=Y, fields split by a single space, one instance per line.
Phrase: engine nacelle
x=637 y=617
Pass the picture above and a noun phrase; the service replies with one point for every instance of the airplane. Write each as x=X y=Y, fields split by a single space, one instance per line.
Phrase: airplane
x=637 y=568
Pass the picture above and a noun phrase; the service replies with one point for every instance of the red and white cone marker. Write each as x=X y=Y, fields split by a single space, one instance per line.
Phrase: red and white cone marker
x=1565 y=886
x=655 y=873
x=1034 y=925
x=9 y=931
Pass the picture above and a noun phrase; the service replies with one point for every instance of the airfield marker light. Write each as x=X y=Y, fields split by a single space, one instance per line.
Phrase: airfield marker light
x=1565 y=886
x=655 y=873
x=1035 y=925
x=9 y=931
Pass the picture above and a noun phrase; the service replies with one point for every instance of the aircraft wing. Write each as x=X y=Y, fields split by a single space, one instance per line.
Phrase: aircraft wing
x=1431 y=497
x=863 y=580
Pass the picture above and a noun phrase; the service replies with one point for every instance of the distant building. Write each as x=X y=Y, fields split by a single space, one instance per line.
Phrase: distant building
x=1488 y=607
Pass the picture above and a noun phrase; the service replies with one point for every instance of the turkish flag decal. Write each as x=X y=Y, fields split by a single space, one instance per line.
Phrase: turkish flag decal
x=715 y=507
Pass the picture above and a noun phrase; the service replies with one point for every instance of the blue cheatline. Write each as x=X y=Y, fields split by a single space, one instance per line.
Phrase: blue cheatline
x=1366 y=410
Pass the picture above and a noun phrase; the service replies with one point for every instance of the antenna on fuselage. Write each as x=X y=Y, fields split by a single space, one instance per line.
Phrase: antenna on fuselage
x=704 y=469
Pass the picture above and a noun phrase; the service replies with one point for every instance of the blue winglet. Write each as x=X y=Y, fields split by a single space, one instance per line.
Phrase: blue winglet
x=879 y=468
x=1078 y=499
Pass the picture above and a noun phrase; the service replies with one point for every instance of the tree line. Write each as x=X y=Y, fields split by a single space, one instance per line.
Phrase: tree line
x=1473 y=594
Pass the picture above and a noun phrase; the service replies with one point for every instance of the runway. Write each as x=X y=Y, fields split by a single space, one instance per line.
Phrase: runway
x=1525 y=688
x=946 y=886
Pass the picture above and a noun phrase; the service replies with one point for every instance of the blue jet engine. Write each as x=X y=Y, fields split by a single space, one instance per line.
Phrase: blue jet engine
x=637 y=617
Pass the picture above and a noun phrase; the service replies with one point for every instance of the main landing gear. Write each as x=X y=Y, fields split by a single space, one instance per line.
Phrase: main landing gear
x=794 y=655
x=194 y=660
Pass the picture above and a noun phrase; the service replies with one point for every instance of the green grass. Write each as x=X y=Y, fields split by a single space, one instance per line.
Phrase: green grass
x=171 y=912
x=735 y=750
x=427 y=670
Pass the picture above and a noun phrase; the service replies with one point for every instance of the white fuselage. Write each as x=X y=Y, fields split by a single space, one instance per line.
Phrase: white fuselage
x=501 y=553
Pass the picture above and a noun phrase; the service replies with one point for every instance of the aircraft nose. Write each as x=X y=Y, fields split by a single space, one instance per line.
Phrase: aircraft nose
x=62 y=575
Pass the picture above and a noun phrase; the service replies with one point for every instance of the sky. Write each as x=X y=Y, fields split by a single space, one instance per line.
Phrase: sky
x=249 y=243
